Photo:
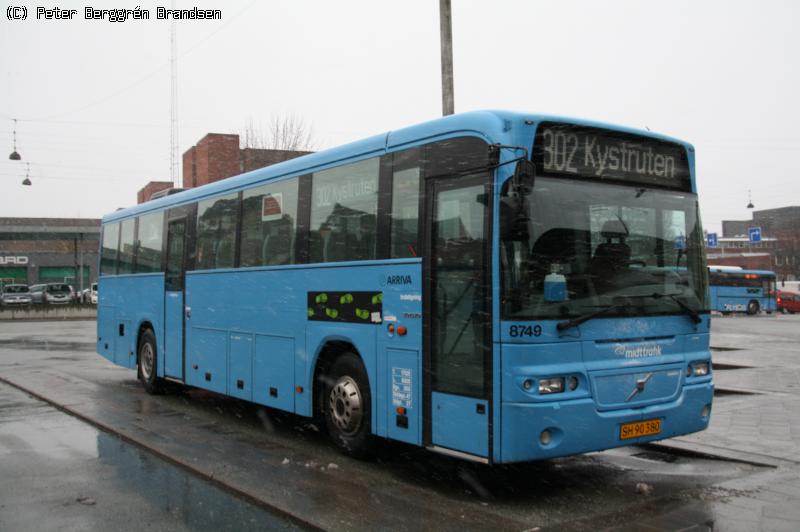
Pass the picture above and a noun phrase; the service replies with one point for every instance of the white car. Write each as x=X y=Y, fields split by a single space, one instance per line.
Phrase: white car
x=93 y=294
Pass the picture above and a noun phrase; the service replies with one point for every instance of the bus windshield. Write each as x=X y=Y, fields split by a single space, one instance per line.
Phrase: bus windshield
x=603 y=246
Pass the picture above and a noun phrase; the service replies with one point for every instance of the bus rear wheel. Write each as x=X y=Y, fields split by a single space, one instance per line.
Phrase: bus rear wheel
x=347 y=406
x=147 y=363
x=752 y=307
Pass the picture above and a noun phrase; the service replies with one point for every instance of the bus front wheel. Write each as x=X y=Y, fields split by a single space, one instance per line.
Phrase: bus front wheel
x=752 y=307
x=347 y=406
x=147 y=363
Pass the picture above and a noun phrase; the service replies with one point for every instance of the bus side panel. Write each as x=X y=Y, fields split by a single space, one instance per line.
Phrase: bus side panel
x=125 y=303
x=207 y=359
x=229 y=307
x=105 y=331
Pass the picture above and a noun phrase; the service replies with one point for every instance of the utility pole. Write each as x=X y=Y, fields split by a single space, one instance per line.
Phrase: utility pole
x=446 y=30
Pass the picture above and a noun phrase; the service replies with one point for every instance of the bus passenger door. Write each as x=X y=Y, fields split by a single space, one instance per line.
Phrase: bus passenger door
x=457 y=315
x=174 y=312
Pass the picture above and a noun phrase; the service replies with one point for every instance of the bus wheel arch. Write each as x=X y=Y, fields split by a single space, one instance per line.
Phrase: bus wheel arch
x=753 y=307
x=147 y=359
x=343 y=398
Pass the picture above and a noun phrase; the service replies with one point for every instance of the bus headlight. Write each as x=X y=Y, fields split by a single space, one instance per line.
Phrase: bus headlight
x=700 y=369
x=554 y=385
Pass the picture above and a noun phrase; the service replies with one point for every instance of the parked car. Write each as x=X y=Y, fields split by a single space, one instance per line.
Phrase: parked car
x=37 y=293
x=93 y=294
x=788 y=302
x=15 y=295
x=58 y=293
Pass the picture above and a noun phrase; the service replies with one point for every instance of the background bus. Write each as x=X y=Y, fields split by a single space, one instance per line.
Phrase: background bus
x=495 y=286
x=734 y=289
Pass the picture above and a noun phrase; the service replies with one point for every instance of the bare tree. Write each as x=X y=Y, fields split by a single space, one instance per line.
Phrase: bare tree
x=284 y=132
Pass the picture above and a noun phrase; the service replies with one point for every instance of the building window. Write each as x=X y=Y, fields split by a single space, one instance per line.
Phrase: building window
x=344 y=205
x=216 y=232
x=269 y=223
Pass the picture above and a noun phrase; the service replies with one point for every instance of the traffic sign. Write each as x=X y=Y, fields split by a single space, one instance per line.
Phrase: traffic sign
x=755 y=234
x=712 y=240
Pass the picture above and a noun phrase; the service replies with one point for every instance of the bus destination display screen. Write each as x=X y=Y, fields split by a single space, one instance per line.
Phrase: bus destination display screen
x=563 y=150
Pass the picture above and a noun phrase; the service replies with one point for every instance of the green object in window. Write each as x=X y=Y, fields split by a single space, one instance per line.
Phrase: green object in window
x=331 y=312
x=363 y=314
x=346 y=299
x=310 y=312
x=321 y=298
x=377 y=299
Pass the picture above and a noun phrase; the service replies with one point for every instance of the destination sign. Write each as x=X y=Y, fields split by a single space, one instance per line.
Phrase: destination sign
x=594 y=153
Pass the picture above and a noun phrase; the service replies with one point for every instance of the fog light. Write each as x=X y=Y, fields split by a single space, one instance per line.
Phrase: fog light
x=573 y=383
x=544 y=437
x=706 y=411
x=555 y=385
x=700 y=369
x=528 y=384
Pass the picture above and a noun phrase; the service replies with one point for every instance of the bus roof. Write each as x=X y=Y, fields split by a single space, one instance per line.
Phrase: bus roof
x=505 y=127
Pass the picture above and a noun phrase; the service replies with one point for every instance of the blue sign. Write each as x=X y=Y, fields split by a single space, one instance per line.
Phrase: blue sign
x=712 y=240
x=680 y=242
x=755 y=234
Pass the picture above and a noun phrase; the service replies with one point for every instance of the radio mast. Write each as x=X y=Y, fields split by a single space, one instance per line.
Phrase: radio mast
x=173 y=112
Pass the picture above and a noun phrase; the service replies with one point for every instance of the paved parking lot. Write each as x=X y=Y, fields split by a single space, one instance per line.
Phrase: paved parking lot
x=283 y=466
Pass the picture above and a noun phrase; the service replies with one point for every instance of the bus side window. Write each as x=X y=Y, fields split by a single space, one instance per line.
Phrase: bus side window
x=126 y=246
x=148 y=256
x=405 y=213
x=269 y=224
x=216 y=232
x=108 y=262
x=344 y=206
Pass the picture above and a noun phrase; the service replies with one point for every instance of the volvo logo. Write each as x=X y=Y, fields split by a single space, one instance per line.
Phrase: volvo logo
x=640 y=384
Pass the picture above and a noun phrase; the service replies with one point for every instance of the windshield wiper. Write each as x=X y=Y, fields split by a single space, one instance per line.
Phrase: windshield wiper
x=689 y=310
x=564 y=325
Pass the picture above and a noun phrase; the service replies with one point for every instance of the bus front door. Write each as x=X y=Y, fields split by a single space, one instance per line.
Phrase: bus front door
x=174 y=312
x=457 y=313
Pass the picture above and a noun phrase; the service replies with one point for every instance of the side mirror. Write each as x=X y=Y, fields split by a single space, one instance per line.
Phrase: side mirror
x=524 y=175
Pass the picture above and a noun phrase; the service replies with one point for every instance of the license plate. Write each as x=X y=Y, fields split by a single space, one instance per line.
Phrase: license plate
x=639 y=429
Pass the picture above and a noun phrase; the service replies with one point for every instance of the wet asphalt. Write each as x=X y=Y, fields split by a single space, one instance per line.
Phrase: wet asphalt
x=91 y=450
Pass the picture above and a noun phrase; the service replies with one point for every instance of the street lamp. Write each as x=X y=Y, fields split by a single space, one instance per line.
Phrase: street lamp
x=750 y=201
x=27 y=180
x=14 y=155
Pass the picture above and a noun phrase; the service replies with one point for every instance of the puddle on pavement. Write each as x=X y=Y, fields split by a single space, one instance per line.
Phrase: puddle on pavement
x=46 y=455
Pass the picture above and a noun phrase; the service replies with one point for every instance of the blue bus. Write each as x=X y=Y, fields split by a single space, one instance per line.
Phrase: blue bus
x=735 y=289
x=495 y=286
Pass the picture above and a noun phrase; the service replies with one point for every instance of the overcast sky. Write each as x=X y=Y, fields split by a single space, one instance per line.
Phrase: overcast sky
x=93 y=97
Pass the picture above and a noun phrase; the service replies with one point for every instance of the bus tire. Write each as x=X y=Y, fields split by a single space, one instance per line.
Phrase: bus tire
x=752 y=307
x=347 y=406
x=147 y=362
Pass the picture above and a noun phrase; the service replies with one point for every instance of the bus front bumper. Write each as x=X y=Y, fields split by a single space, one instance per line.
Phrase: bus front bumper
x=548 y=430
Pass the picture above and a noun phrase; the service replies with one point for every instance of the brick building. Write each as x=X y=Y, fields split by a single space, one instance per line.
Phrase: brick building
x=217 y=156
x=780 y=234
x=151 y=188
x=49 y=250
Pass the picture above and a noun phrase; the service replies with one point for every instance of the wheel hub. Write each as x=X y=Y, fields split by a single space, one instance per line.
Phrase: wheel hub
x=345 y=405
x=147 y=358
